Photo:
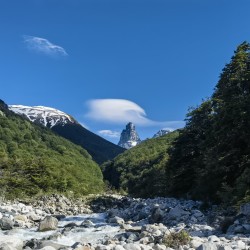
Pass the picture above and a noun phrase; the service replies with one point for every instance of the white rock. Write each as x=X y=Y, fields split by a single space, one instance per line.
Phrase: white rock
x=213 y=238
x=117 y=220
x=132 y=246
x=118 y=247
x=12 y=241
x=48 y=248
x=207 y=246
x=159 y=247
x=39 y=212
x=196 y=242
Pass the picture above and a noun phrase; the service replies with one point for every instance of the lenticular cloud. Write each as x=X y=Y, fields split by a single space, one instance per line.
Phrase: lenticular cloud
x=121 y=111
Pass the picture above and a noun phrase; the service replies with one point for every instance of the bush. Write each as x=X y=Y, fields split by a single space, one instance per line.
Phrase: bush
x=176 y=239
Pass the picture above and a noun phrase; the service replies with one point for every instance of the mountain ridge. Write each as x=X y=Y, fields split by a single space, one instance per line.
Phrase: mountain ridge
x=66 y=126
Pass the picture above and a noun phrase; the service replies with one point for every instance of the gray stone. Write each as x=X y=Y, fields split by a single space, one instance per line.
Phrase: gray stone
x=132 y=246
x=207 y=246
x=49 y=223
x=87 y=224
x=224 y=248
x=239 y=229
x=159 y=247
x=246 y=228
x=245 y=209
x=176 y=213
x=118 y=247
x=50 y=243
x=156 y=216
x=6 y=223
x=116 y=220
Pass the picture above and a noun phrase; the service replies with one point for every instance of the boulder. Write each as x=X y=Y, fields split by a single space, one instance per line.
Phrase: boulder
x=132 y=246
x=116 y=220
x=156 y=216
x=49 y=223
x=10 y=242
x=176 y=213
x=245 y=209
x=21 y=217
x=207 y=246
x=6 y=223
x=224 y=248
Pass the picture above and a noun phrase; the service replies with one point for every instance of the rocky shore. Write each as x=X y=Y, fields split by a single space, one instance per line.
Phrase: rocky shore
x=118 y=223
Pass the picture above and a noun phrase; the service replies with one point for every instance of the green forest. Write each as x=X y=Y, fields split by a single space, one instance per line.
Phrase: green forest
x=140 y=171
x=209 y=159
x=33 y=161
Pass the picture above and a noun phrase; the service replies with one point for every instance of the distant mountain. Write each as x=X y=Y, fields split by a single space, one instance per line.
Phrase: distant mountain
x=48 y=117
x=65 y=125
x=129 y=137
x=34 y=160
x=162 y=132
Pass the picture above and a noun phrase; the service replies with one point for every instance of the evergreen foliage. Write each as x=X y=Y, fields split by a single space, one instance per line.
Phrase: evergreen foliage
x=33 y=160
x=211 y=158
x=140 y=171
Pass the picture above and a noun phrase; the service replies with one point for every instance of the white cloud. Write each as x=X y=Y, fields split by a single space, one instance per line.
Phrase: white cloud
x=44 y=46
x=120 y=111
x=109 y=133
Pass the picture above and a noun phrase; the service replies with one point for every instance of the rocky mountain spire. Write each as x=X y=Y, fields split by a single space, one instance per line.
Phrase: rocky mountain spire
x=129 y=137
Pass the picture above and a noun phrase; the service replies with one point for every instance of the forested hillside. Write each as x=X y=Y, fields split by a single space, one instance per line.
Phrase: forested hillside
x=210 y=160
x=33 y=160
x=141 y=170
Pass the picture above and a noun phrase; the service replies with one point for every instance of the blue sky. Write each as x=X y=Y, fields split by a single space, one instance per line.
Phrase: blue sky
x=107 y=62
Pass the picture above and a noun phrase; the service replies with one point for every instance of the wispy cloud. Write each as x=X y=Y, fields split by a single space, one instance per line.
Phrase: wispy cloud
x=120 y=111
x=44 y=46
x=109 y=133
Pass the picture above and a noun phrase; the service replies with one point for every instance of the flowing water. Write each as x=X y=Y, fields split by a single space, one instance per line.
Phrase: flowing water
x=99 y=229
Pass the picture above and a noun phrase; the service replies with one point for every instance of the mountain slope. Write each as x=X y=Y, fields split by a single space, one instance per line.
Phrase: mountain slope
x=34 y=160
x=63 y=124
x=141 y=170
x=100 y=149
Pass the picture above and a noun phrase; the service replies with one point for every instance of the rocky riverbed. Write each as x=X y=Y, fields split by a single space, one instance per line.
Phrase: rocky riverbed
x=118 y=223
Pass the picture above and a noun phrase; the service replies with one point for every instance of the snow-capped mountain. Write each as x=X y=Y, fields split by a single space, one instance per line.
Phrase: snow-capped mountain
x=129 y=137
x=66 y=126
x=162 y=132
x=49 y=117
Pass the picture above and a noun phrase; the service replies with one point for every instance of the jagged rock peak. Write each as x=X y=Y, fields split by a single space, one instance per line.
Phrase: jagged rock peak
x=48 y=117
x=129 y=137
x=162 y=132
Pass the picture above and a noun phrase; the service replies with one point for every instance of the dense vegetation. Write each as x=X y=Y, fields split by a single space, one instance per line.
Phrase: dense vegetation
x=100 y=149
x=33 y=160
x=141 y=170
x=210 y=160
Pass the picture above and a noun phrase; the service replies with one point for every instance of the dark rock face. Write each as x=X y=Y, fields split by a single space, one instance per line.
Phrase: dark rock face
x=129 y=137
